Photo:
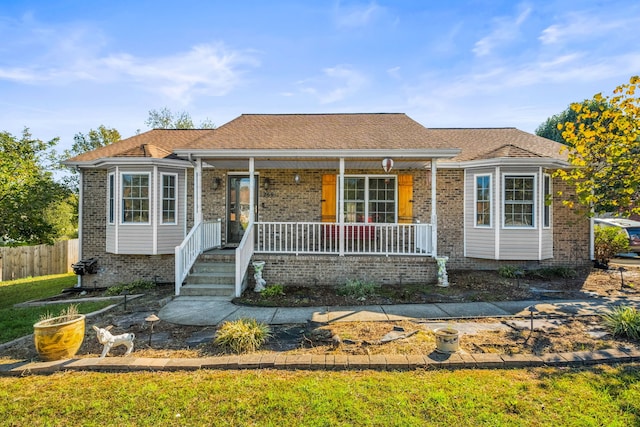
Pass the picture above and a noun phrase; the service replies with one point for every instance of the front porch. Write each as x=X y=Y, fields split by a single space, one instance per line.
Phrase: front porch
x=324 y=250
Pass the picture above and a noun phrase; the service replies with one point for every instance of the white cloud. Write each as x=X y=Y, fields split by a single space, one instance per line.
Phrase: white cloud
x=506 y=29
x=71 y=54
x=209 y=70
x=338 y=83
x=580 y=26
x=357 y=15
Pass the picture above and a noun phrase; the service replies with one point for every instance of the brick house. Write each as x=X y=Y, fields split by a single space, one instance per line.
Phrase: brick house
x=333 y=197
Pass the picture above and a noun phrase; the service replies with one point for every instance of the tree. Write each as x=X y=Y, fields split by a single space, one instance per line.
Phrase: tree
x=604 y=153
x=82 y=143
x=550 y=130
x=166 y=119
x=28 y=192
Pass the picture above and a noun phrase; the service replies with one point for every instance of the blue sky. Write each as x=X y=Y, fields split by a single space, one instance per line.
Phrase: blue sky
x=70 y=66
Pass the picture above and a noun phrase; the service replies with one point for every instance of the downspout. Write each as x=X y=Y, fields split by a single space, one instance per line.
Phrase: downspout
x=434 y=214
x=80 y=203
x=197 y=187
x=341 y=207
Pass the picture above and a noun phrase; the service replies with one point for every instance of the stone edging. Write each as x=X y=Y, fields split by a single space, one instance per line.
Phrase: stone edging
x=326 y=362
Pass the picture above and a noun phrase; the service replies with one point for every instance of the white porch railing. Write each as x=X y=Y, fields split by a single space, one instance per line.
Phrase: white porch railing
x=203 y=236
x=244 y=252
x=359 y=239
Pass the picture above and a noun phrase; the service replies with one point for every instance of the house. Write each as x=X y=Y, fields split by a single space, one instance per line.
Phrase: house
x=323 y=198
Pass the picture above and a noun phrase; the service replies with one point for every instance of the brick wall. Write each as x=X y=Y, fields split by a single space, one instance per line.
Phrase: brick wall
x=329 y=270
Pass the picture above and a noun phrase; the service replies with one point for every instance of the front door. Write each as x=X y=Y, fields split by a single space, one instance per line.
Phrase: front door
x=238 y=207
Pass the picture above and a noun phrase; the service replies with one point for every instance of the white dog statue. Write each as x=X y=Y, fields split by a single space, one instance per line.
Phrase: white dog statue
x=108 y=340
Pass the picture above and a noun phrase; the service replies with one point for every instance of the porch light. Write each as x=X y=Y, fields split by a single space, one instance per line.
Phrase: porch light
x=387 y=164
x=296 y=179
x=216 y=183
x=266 y=183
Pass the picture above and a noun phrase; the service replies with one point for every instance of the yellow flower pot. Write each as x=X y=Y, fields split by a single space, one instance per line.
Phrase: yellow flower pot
x=60 y=337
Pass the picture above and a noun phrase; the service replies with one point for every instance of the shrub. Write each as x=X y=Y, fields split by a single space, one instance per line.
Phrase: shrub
x=242 y=335
x=608 y=242
x=135 y=286
x=358 y=289
x=510 y=271
x=272 y=291
x=623 y=322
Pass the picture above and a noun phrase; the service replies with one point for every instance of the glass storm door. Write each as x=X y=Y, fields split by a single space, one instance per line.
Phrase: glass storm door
x=238 y=210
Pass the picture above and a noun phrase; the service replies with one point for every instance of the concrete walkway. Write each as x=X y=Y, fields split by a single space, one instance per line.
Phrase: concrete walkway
x=211 y=311
x=202 y=311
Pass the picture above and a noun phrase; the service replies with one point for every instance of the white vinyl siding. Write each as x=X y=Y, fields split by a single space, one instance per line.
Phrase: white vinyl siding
x=547 y=198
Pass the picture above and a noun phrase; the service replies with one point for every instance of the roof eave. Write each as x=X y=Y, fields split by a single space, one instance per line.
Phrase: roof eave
x=446 y=153
x=547 y=162
x=127 y=161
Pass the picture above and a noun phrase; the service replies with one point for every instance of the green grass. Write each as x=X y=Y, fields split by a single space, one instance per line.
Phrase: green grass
x=18 y=322
x=520 y=397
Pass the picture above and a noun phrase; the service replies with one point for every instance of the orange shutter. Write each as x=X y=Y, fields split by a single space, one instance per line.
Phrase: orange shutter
x=405 y=199
x=328 y=198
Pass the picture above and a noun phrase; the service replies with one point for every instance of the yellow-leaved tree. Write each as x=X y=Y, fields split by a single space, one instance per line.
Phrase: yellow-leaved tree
x=604 y=150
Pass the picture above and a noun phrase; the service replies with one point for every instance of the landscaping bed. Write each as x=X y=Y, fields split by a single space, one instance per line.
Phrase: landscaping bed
x=504 y=336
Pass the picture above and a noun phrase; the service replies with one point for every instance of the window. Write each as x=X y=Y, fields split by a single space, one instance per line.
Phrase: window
x=548 y=198
x=370 y=199
x=483 y=200
x=135 y=198
x=519 y=201
x=169 y=199
x=112 y=199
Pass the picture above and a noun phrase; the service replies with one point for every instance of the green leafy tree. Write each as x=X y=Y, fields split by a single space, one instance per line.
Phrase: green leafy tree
x=166 y=119
x=28 y=193
x=604 y=151
x=550 y=128
x=83 y=143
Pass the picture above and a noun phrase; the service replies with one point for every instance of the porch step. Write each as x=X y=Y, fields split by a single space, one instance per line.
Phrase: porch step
x=214 y=278
x=214 y=267
x=209 y=290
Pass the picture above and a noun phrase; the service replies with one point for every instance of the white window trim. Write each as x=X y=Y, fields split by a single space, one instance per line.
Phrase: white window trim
x=121 y=196
x=366 y=192
x=475 y=201
x=175 y=198
x=545 y=177
x=111 y=202
x=503 y=202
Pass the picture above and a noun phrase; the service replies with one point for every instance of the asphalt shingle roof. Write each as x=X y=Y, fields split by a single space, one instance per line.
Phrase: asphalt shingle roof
x=332 y=132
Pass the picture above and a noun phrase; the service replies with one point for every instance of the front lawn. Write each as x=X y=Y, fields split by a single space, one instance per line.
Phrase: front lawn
x=519 y=397
x=18 y=322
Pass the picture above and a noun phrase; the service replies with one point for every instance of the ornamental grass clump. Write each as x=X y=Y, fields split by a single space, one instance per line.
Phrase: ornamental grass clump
x=242 y=335
x=69 y=313
x=623 y=322
x=358 y=289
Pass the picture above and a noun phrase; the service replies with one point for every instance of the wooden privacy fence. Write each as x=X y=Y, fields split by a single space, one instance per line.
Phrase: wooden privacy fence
x=40 y=260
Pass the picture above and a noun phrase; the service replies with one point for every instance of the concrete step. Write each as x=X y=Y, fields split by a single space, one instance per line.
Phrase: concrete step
x=211 y=278
x=221 y=290
x=213 y=267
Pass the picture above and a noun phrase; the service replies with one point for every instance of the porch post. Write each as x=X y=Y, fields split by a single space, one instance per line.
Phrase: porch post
x=341 y=233
x=252 y=190
x=197 y=189
x=434 y=214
